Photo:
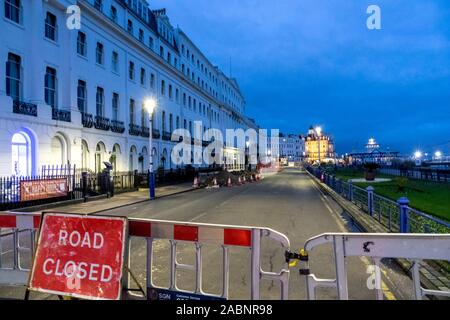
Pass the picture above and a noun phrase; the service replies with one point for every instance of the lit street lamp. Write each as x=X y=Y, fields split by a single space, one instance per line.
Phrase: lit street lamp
x=417 y=155
x=318 y=133
x=150 y=105
x=438 y=155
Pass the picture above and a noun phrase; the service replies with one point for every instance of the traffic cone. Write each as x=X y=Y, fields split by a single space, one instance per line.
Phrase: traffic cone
x=244 y=180
x=239 y=180
x=215 y=183
x=229 y=182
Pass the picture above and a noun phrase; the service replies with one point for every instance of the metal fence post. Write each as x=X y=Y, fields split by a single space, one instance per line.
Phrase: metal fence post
x=403 y=204
x=370 y=190
x=350 y=190
x=84 y=184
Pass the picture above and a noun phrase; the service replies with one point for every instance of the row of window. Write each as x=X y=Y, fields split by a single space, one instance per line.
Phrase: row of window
x=13 y=12
x=170 y=92
x=14 y=80
x=168 y=55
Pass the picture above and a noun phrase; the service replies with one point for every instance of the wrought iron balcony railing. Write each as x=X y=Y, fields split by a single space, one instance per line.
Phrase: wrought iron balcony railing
x=87 y=120
x=117 y=126
x=145 y=132
x=61 y=115
x=166 y=135
x=156 y=134
x=102 y=123
x=25 y=108
x=134 y=130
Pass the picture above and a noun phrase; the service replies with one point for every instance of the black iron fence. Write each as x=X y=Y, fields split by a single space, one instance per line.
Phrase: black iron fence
x=61 y=183
x=431 y=174
x=397 y=216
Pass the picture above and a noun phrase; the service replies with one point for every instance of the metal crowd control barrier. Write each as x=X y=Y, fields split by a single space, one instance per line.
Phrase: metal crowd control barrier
x=13 y=227
x=199 y=234
x=416 y=247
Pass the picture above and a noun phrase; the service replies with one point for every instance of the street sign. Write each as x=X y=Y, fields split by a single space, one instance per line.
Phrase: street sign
x=80 y=256
x=157 y=294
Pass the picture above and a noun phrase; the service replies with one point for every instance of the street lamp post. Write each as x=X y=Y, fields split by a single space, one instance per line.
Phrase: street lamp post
x=150 y=105
x=318 y=132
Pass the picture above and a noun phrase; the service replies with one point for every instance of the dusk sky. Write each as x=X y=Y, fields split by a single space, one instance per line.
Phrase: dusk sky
x=303 y=62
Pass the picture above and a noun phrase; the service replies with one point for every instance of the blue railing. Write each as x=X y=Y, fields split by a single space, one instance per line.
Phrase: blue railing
x=396 y=216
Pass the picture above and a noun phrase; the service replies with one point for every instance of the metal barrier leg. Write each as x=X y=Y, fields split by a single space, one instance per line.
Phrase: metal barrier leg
x=16 y=249
x=341 y=272
x=256 y=264
x=173 y=261
x=225 y=273
x=126 y=278
x=199 y=267
x=149 y=279
x=416 y=280
x=379 y=290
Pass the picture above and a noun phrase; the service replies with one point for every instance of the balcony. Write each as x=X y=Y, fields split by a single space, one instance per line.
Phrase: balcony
x=166 y=136
x=156 y=134
x=61 y=115
x=145 y=132
x=117 y=126
x=135 y=130
x=25 y=108
x=87 y=120
x=102 y=123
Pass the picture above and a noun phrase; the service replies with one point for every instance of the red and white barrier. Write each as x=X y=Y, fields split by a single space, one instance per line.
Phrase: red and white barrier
x=222 y=236
x=191 y=233
x=20 y=220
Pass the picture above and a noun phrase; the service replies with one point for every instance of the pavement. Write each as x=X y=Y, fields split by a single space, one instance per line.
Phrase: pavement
x=288 y=202
x=121 y=199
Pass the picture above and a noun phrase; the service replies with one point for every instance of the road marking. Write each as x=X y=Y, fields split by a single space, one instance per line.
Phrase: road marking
x=386 y=291
x=199 y=216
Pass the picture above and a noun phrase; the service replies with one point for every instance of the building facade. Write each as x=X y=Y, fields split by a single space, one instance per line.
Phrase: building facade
x=319 y=146
x=292 y=148
x=77 y=94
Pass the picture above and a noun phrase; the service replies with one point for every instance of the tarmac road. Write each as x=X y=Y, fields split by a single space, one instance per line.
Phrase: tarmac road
x=288 y=202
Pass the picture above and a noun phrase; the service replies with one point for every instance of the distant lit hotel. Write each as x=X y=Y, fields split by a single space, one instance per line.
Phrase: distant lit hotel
x=319 y=146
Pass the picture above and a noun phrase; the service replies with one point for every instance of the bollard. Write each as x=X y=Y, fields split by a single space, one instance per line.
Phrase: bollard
x=403 y=204
x=370 y=190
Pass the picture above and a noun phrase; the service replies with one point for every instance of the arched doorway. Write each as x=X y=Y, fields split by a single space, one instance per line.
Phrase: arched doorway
x=155 y=158
x=143 y=160
x=132 y=159
x=164 y=159
x=84 y=155
x=59 y=150
x=114 y=159
x=21 y=155
x=100 y=152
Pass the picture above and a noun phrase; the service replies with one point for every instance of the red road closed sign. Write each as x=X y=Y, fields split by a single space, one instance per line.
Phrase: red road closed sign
x=80 y=256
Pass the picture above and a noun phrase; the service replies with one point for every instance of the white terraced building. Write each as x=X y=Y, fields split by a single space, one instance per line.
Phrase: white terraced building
x=76 y=95
x=292 y=148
